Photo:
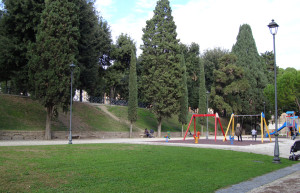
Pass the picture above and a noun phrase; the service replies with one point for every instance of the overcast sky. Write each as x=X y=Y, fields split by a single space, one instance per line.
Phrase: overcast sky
x=215 y=23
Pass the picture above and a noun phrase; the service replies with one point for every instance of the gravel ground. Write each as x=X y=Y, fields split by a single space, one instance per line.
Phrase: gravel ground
x=283 y=180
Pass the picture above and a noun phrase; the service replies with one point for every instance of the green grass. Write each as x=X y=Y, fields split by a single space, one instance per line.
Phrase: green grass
x=146 y=119
x=22 y=113
x=126 y=168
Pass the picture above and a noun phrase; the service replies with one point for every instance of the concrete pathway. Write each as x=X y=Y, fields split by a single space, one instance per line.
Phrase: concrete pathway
x=283 y=180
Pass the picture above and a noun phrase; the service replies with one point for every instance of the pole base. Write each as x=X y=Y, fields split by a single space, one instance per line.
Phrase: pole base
x=70 y=142
x=276 y=160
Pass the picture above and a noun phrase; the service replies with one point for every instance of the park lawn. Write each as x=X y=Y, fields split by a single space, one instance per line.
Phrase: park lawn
x=127 y=168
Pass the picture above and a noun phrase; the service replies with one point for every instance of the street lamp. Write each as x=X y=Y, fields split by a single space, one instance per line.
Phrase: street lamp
x=207 y=93
x=72 y=66
x=273 y=26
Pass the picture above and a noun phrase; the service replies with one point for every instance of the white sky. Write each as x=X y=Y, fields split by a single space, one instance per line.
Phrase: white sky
x=215 y=23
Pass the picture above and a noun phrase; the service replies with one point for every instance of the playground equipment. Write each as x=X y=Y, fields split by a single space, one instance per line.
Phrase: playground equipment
x=194 y=116
x=291 y=123
x=231 y=123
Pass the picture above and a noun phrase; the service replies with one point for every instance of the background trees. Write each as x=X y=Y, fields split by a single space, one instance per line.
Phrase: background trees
x=228 y=86
x=192 y=61
x=160 y=58
x=18 y=32
x=288 y=90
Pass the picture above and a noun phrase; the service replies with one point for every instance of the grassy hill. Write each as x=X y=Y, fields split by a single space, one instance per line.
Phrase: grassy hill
x=22 y=113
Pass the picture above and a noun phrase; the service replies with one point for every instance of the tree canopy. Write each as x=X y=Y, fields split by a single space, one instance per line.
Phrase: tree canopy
x=161 y=62
x=49 y=70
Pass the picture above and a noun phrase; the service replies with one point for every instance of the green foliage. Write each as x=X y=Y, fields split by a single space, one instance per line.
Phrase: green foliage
x=117 y=75
x=127 y=168
x=184 y=108
x=249 y=59
x=202 y=94
x=18 y=30
x=161 y=62
x=92 y=42
x=288 y=90
x=192 y=61
x=49 y=69
x=230 y=83
x=133 y=92
x=210 y=59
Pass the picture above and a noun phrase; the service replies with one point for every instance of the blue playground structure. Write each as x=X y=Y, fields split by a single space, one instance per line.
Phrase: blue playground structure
x=291 y=123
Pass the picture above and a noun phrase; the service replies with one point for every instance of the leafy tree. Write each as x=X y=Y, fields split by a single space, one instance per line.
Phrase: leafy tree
x=249 y=59
x=202 y=94
x=230 y=83
x=184 y=106
x=133 y=92
x=122 y=57
x=288 y=90
x=55 y=49
x=160 y=58
x=211 y=59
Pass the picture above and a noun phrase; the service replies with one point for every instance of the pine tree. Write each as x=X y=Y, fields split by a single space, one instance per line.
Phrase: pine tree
x=160 y=58
x=202 y=94
x=184 y=108
x=133 y=92
x=50 y=58
x=248 y=58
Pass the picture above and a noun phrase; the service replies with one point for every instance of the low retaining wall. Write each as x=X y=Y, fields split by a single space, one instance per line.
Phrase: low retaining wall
x=39 y=135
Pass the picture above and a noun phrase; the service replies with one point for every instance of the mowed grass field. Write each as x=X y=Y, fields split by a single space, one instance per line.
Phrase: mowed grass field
x=126 y=168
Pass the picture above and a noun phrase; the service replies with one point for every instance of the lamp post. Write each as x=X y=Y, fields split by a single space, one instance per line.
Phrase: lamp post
x=72 y=66
x=207 y=93
x=273 y=26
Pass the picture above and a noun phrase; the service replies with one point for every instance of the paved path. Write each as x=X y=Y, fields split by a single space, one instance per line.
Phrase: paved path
x=283 y=180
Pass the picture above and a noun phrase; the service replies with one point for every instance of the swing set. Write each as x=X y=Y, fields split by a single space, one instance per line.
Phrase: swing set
x=263 y=120
x=217 y=119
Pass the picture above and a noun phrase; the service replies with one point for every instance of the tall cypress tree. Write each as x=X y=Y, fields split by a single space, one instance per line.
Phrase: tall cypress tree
x=50 y=58
x=184 y=106
x=202 y=94
x=248 y=58
x=133 y=92
x=160 y=58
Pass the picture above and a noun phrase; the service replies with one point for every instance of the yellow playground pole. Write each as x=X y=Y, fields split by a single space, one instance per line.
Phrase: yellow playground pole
x=267 y=130
x=228 y=127
x=262 y=128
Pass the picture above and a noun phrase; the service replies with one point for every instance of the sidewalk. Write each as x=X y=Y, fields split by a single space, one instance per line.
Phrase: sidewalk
x=283 y=180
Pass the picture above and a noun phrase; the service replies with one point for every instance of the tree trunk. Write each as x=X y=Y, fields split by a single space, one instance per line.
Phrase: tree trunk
x=6 y=89
x=181 y=130
x=48 y=123
x=80 y=97
x=159 y=128
x=130 y=132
